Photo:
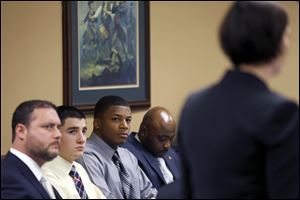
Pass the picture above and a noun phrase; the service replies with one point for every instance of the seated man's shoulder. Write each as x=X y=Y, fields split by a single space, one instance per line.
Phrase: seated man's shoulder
x=127 y=154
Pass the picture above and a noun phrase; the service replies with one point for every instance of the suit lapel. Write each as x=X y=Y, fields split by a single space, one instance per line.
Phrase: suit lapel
x=152 y=161
x=24 y=169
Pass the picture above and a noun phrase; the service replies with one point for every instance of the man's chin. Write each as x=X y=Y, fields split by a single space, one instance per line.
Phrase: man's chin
x=78 y=155
x=53 y=155
x=160 y=154
x=50 y=155
x=121 y=141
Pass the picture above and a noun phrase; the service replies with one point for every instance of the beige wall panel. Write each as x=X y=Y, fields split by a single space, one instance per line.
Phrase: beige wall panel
x=185 y=55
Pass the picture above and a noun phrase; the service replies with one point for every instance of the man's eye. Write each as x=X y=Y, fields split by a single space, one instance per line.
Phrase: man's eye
x=162 y=139
x=48 y=127
x=73 y=132
x=128 y=120
x=115 y=119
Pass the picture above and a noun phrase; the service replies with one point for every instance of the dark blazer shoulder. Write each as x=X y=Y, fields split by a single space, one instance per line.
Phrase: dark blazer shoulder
x=132 y=145
x=18 y=181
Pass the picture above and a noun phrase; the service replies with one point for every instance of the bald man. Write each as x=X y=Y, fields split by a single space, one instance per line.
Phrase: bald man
x=152 y=147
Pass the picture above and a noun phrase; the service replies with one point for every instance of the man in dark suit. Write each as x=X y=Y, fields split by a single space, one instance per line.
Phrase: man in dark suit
x=152 y=147
x=35 y=140
x=238 y=138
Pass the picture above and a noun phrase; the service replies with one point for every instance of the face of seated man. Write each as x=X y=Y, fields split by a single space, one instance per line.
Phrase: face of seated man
x=157 y=131
x=73 y=138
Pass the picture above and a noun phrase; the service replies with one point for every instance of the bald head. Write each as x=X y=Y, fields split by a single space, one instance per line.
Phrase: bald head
x=159 y=118
x=157 y=130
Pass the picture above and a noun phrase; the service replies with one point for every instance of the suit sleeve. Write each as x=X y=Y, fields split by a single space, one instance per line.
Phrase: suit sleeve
x=282 y=152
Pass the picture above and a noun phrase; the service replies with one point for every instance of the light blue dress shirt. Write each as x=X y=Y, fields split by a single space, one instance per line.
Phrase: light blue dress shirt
x=97 y=160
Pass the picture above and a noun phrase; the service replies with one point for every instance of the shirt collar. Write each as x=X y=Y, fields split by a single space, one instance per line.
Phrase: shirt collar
x=62 y=165
x=103 y=146
x=137 y=138
x=33 y=166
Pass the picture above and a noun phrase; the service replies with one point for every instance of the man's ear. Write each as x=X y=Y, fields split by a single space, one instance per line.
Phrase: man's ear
x=143 y=131
x=97 y=123
x=21 y=131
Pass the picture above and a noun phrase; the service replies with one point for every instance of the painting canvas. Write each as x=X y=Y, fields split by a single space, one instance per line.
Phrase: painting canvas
x=108 y=44
x=106 y=52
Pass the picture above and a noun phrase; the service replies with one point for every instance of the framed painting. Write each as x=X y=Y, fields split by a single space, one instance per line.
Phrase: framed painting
x=106 y=52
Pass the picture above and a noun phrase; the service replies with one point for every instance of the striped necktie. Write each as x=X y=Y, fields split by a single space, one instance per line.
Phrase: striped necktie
x=78 y=183
x=124 y=177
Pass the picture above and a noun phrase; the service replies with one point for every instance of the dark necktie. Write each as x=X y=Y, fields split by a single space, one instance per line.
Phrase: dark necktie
x=78 y=183
x=124 y=177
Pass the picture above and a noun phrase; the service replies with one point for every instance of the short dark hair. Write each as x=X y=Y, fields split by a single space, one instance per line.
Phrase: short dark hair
x=64 y=112
x=24 y=111
x=107 y=101
x=252 y=31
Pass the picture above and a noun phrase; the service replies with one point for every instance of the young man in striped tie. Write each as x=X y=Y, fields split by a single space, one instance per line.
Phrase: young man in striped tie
x=67 y=176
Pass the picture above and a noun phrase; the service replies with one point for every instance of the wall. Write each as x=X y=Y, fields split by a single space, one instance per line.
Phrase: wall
x=185 y=55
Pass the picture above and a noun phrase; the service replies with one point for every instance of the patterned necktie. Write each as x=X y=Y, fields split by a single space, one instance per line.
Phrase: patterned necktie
x=78 y=183
x=124 y=177
x=48 y=187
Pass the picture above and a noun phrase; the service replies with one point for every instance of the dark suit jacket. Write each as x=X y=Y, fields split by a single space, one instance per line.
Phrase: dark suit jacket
x=240 y=140
x=150 y=164
x=18 y=182
x=174 y=190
